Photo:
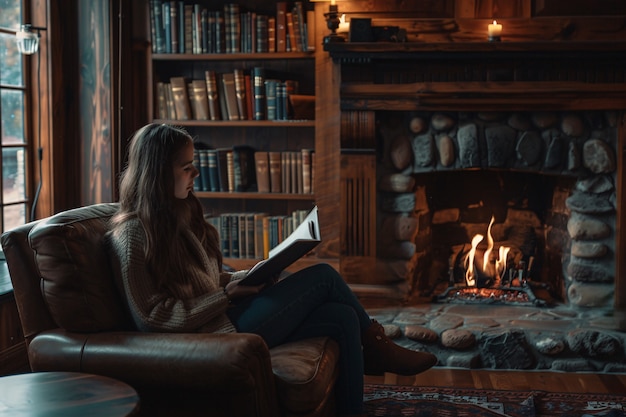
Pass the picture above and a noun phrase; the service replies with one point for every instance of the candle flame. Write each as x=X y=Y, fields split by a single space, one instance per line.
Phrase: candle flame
x=494 y=22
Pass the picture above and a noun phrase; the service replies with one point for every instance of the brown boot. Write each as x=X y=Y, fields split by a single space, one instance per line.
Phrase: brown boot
x=381 y=354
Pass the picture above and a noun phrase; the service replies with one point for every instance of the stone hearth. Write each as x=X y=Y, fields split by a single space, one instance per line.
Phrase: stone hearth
x=506 y=337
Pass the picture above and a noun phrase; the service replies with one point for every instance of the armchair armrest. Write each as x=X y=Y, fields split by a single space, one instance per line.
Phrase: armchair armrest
x=200 y=361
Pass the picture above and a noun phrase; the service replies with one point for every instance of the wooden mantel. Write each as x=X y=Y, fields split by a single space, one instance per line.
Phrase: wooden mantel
x=402 y=50
x=507 y=93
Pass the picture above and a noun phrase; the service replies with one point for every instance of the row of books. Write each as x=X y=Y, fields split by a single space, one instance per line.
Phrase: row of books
x=241 y=168
x=180 y=27
x=236 y=95
x=253 y=235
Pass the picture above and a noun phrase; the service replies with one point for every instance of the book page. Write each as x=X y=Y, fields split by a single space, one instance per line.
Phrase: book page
x=299 y=243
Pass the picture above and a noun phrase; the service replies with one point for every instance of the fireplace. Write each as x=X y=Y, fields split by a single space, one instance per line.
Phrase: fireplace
x=449 y=137
x=500 y=207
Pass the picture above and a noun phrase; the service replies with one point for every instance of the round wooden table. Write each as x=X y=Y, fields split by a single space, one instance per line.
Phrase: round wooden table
x=65 y=394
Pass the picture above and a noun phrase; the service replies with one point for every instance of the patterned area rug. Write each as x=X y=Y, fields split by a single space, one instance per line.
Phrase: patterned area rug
x=409 y=401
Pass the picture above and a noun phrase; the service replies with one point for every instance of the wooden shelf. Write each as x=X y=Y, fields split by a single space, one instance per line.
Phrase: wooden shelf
x=403 y=50
x=239 y=123
x=234 y=56
x=237 y=195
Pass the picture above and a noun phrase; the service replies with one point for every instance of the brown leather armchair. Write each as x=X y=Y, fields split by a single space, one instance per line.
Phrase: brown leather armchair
x=73 y=320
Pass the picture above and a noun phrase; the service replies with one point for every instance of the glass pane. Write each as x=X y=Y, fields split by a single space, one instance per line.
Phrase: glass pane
x=14 y=216
x=11 y=68
x=12 y=117
x=13 y=175
x=10 y=14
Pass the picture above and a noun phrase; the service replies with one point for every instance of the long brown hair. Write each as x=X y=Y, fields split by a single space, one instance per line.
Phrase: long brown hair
x=147 y=193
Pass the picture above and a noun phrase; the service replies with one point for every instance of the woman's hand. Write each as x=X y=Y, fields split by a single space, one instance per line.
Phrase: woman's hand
x=235 y=291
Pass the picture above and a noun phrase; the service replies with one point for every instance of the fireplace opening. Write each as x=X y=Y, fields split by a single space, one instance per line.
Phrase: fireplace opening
x=490 y=229
x=456 y=190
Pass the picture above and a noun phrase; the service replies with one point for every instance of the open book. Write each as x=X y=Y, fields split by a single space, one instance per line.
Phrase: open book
x=299 y=243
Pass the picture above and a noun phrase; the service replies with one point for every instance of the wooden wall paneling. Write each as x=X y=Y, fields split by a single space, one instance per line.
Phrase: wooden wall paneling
x=64 y=150
x=327 y=142
x=578 y=8
x=13 y=356
x=95 y=101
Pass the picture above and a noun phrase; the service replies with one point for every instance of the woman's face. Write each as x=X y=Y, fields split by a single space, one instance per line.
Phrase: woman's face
x=184 y=172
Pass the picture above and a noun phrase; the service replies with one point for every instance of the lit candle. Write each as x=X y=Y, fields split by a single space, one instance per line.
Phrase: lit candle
x=494 y=30
x=332 y=2
x=343 y=25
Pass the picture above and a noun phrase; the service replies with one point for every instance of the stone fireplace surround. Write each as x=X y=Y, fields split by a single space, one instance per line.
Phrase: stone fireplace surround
x=499 y=114
x=573 y=230
x=563 y=189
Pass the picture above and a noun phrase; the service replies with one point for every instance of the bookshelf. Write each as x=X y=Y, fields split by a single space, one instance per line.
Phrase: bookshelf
x=283 y=129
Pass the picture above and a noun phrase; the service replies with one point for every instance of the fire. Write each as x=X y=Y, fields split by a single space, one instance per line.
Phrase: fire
x=488 y=268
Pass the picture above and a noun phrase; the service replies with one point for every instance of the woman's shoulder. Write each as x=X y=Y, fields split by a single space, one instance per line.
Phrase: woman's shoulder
x=129 y=227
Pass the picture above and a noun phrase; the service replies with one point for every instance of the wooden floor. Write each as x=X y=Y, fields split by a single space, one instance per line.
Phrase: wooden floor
x=511 y=380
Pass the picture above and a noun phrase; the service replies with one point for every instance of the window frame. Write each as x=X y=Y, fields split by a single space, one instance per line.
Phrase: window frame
x=26 y=89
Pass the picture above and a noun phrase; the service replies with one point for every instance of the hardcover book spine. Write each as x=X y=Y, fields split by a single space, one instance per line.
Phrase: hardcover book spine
x=240 y=91
x=181 y=27
x=156 y=23
x=266 y=237
x=212 y=97
x=270 y=94
x=271 y=34
x=298 y=12
x=234 y=236
x=290 y=32
x=188 y=28
x=214 y=175
x=204 y=170
x=306 y=171
x=259 y=93
x=201 y=104
x=259 y=236
x=225 y=234
x=261 y=159
x=167 y=27
x=310 y=30
x=169 y=98
x=230 y=95
x=230 y=168
x=262 y=40
x=275 y=172
x=161 y=101
x=250 y=241
x=181 y=98
x=296 y=39
x=249 y=97
x=174 y=26
x=220 y=32
x=281 y=26
x=204 y=33
x=222 y=167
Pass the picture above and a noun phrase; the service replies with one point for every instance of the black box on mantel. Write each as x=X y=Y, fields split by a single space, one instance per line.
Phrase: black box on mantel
x=361 y=30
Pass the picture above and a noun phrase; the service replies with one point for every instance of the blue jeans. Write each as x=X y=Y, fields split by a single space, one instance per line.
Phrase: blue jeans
x=309 y=303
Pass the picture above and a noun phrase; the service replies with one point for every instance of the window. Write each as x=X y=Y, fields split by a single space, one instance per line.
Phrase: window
x=14 y=115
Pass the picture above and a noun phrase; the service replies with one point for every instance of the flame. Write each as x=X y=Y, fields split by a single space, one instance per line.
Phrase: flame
x=496 y=270
x=469 y=264
x=487 y=256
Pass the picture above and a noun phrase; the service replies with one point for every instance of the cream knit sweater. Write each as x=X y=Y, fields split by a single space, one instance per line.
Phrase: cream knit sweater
x=198 y=304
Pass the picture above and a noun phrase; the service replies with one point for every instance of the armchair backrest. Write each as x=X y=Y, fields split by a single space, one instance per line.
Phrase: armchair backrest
x=61 y=273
